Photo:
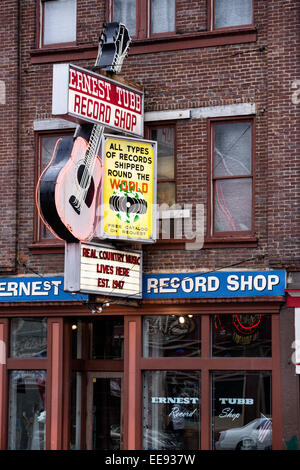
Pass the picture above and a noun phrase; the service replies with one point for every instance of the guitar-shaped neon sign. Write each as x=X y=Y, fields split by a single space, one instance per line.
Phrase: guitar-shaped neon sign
x=69 y=189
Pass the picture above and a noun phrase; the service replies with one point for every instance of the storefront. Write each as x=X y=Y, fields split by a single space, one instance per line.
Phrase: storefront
x=181 y=371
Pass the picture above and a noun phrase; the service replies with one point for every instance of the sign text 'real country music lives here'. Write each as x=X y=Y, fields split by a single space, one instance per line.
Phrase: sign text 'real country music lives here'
x=81 y=96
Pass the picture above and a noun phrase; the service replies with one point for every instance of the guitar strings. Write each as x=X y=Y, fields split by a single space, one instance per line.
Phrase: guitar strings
x=91 y=151
x=84 y=181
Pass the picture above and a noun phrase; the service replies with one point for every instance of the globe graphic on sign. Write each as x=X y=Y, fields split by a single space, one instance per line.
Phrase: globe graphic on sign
x=128 y=205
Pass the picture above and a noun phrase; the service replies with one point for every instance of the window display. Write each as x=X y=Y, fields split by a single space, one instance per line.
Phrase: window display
x=241 y=410
x=246 y=335
x=172 y=336
x=171 y=410
x=28 y=337
x=27 y=413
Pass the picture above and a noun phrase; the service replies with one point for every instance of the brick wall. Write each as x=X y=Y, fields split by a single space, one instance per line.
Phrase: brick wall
x=211 y=76
x=8 y=133
x=260 y=72
x=283 y=137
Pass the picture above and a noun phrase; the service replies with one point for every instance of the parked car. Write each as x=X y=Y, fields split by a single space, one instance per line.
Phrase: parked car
x=256 y=435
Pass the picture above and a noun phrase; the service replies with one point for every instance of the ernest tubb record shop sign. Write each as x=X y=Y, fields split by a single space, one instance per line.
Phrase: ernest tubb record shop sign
x=82 y=96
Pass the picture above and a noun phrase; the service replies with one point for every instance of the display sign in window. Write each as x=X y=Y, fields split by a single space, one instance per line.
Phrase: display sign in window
x=241 y=335
x=171 y=410
x=241 y=410
x=172 y=336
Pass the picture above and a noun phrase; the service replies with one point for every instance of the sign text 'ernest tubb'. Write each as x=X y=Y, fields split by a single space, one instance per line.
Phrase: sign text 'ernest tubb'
x=83 y=96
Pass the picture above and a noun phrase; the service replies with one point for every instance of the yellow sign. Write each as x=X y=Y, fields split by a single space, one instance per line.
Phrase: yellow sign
x=129 y=189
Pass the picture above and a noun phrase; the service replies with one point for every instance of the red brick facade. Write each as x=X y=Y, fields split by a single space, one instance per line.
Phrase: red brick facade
x=260 y=72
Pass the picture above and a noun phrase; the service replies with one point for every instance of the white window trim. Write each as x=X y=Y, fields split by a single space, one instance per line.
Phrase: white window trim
x=52 y=125
x=231 y=110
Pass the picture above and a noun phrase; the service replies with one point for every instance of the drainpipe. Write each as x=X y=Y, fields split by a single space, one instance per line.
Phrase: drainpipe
x=19 y=140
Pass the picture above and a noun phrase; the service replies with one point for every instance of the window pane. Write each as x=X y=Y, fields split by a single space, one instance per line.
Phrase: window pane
x=107 y=338
x=166 y=193
x=107 y=413
x=28 y=337
x=170 y=336
x=48 y=144
x=125 y=12
x=171 y=410
x=246 y=335
x=27 y=415
x=232 y=149
x=77 y=338
x=163 y=16
x=76 y=406
x=233 y=205
x=241 y=410
x=59 y=21
x=165 y=138
x=232 y=13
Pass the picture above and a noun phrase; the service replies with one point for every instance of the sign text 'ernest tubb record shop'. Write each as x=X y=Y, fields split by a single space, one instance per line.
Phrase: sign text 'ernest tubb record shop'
x=83 y=96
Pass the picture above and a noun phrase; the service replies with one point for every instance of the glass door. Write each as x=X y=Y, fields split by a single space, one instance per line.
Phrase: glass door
x=104 y=411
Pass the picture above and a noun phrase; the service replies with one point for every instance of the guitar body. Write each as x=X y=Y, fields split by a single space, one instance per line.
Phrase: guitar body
x=58 y=186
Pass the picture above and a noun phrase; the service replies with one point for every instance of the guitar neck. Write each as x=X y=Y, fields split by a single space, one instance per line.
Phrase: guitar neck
x=121 y=42
x=94 y=144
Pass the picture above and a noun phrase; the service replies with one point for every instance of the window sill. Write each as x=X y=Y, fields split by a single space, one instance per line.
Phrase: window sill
x=230 y=242
x=63 y=53
x=193 y=40
x=46 y=247
x=169 y=244
x=209 y=243
x=57 y=246
x=149 y=45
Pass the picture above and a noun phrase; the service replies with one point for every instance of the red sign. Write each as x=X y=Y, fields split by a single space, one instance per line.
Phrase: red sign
x=83 y=96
